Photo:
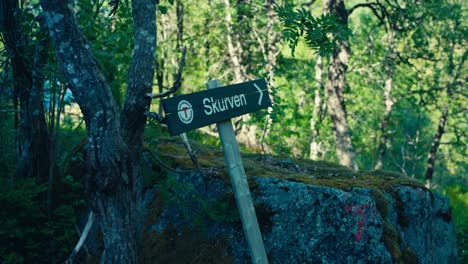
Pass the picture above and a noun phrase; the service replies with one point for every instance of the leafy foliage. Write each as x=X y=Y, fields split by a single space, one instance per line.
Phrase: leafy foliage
x=459 y=200
x=320 y=34
x=27 y=235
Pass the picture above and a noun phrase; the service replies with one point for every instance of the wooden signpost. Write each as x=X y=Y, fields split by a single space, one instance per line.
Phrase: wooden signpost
x=191 y=111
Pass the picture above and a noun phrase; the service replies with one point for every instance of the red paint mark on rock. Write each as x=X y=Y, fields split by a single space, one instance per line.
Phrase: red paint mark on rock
x=359 y=210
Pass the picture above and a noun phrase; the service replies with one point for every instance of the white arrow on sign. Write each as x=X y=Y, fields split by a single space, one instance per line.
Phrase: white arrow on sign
x=261 y=94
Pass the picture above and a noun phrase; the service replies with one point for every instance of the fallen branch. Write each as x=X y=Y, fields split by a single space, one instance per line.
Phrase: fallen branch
x=191 y=153
x=83 y=237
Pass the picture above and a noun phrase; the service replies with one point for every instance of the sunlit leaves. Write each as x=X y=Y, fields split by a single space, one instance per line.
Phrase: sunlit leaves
x=320 y=33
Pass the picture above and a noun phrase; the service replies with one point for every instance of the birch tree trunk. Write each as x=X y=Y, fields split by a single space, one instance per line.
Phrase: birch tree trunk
x=242 y=33
x=315 y=149
x=234 y=49
x=334 y=89
x=272 y=39
x=180 y=25
x=435 y=143
x=115 y=139
x=388 y=100
x=246 y=134
x=453 y=74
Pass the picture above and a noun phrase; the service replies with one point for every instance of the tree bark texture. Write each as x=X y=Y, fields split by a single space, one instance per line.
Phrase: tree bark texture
x=161 y=58
x=389 y=63
x=334 y=90
x=435 y=143
x=28 y=63
x=206 y=31
x=114 y=139
x=453 y=75
x=234 y=49
x=272 y=39
x=315 y=148
x=243 y=30
x=180 y=25
x=246 y=134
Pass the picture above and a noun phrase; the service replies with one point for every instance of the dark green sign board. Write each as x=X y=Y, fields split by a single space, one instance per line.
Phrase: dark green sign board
x=191 y=111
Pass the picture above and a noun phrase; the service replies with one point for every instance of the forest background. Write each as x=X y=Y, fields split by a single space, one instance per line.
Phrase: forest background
x=403 y=99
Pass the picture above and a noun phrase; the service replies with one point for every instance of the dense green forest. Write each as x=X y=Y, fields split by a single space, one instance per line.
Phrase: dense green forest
x=371 y=85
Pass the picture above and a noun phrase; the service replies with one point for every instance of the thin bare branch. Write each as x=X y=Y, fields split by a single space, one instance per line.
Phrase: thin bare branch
x=177 y=82
x=307 y=4
x=377 y=8
x=191 y=153
x=83 y=237
x=156 y=116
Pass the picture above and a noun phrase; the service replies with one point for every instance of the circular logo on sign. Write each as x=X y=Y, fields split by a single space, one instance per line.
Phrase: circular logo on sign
x=185 y=112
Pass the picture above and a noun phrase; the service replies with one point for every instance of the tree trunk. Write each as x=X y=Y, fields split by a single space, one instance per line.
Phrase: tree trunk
x=234 y=49
x=114 y=139
x=180 y=25
x=33 y=137
x=334 y=90
x=315 y=148
x=243 y=31
x=162 y=74
x=384 y=122
x=388 y=100
x=272 y=40
x=206 y=31
x=435 y=143
x=246 y=134
x=453 y=75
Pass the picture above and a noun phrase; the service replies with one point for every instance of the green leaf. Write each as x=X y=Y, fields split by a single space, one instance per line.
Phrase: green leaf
x=163 y=9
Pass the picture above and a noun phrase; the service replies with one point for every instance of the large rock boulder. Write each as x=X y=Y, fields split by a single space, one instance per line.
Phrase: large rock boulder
x=309 y=212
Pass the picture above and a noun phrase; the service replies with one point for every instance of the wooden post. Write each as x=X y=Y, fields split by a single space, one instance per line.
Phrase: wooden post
x=240 y=187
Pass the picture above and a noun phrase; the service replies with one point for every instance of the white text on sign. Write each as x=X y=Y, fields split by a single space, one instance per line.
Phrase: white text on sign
x=223 y=104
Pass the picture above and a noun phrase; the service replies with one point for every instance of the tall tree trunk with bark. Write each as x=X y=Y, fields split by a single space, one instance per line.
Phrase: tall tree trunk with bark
x=234 y=48
x=272 y=39
x=115 y=139
x=315 y=148
x=242 y=33
x=435 y=143
x=454 y=72
x=162 y=74
x=334 y=89
x=246 y=133
x=270 y=53
x=206 y=31
x=388 y=100
x=180 y=25
x=27 y=67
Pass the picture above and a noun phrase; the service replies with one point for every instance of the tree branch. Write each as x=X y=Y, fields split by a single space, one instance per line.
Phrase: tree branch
x=83 y=237
x=308 y=4
x=375 y=7
x=140 y=74
x=156 y=116
x=177 y=82
x=191 y=153
x=77 y=61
